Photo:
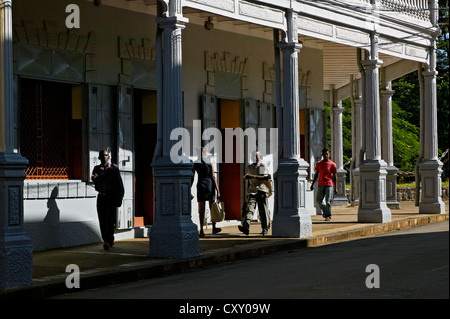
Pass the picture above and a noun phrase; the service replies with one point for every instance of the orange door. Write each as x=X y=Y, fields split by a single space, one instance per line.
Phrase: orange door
x=230 y=173
x=145 y=139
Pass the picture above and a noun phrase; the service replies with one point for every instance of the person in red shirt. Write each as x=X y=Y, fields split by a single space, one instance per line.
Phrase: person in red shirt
x=326 y=172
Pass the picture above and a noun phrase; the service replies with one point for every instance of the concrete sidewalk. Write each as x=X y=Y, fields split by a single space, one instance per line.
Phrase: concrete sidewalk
x=129 y=259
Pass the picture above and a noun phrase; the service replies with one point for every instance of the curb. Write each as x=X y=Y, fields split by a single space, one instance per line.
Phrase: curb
x=376 y=229
x=146 y=270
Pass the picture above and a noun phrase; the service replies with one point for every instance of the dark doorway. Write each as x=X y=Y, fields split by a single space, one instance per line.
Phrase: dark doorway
x=145 y=110
x=50 y=129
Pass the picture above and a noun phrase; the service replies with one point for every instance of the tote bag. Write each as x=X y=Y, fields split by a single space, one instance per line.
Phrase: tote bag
x=217 y=212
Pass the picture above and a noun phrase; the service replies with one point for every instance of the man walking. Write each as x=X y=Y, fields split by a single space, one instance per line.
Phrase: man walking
x=259 y=190
x=326 y=171
x=109 y=186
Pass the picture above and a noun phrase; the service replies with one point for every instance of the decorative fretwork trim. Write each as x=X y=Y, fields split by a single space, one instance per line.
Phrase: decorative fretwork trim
x=48 y=35
x=228 y=64
x=132 y=49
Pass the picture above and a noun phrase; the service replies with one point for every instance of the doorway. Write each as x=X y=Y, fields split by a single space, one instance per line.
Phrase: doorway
x=230 y=179
x=145 y=110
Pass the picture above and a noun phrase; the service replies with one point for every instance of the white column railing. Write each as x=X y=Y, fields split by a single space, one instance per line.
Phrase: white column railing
x=418 y=9
x=414 y=8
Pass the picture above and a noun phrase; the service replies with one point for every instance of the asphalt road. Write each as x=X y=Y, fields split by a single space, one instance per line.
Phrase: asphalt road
x=412 y=263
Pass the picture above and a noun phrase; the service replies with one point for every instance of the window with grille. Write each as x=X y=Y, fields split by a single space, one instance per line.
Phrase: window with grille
x=50 y=131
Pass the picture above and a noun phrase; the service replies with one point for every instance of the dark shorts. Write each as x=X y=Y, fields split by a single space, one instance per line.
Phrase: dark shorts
x=205 y=190
x=205 y=195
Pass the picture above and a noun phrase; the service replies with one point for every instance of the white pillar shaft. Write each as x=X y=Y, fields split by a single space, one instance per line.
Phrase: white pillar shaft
x=172 y=98
x=291 y=141
x=358 y=128
x=338 y=155
x=338 y=143
x=372 y=124
x=6 y=77
x=387 y=143
x=290 y=48
x=430 y=116
x=387 y=146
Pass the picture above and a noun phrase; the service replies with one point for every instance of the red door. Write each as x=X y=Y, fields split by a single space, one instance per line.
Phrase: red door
x=230 y=179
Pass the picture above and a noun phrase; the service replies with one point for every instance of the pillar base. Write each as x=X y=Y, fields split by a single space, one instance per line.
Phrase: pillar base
x=340 y=199
x=372 y=204
x=391 y=188
x=16 y=261
x=431 y=199
x=174 y=241
x=354 y=200
x=16 y=250
x=291 y=218
x=173 y=234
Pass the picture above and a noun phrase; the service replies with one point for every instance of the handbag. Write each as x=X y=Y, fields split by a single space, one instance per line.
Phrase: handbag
x=217 y=212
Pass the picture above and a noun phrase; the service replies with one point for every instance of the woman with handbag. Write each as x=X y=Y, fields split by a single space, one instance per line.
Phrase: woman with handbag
x=206 y=187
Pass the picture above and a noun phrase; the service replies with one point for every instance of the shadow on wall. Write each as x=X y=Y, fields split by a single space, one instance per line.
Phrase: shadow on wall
x=52 y=233
x=53 y=212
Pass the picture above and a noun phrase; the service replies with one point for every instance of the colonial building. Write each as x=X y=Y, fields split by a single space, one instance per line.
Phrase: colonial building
x=141 y=78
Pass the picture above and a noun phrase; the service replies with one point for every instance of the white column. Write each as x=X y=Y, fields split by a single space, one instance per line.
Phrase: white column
x=16 y=250
x=431 y=167
x=338 y=155
x=387 y=146
x=372 y=203
x=357 y=145
x=290 y=216
x=173 y=234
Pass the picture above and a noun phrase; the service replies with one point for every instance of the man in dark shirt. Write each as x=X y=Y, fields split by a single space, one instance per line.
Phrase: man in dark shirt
x=109 y=186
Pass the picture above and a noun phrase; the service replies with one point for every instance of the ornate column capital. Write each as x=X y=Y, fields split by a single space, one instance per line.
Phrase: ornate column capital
x=174 y=21
x=337 y=110
x=387 y=93
x=286 y=46
x=427 y=74
x=5 y=3
x=375 y=63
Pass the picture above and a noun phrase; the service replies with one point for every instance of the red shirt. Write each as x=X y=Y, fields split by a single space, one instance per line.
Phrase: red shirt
x=326 y=171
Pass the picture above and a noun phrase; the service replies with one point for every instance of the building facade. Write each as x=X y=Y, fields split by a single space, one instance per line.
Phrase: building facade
x=142 y=77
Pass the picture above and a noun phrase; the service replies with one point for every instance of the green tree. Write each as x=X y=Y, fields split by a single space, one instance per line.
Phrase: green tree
x=406 y=141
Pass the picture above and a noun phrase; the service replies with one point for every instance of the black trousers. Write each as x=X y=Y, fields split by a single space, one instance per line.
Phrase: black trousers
x=107 y=216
